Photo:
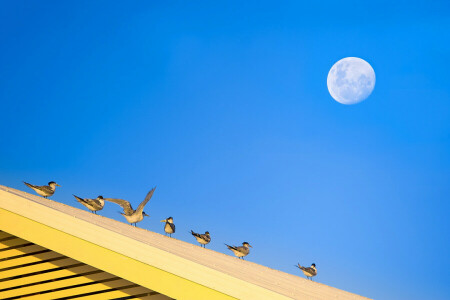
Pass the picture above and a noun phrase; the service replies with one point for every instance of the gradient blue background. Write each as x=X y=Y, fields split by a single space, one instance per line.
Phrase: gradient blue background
x=224 y=106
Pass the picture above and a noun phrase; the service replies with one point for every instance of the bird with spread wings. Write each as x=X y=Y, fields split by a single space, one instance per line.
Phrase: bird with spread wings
x=133 y=216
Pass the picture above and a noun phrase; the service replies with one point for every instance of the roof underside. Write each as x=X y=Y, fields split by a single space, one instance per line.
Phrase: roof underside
x=165 y=265
x=29 y=271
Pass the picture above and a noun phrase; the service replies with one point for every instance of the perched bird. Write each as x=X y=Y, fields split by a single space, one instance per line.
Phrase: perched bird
x=133 y=216
x=240 y=251
x=44 y=190
x=93 y=205
x=169 y=227
x=203 y=239
x=309 y=272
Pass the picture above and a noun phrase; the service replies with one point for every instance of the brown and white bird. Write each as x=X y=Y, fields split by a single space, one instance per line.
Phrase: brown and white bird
x=169 y=227
x=203 y=239
x=133 y=216
x=93 y=205
x=309 y=272
x=240 y=251
x=43 y=190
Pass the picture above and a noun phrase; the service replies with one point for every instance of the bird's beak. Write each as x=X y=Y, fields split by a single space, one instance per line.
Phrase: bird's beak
x=250 y=246
x=163 y=221
x=145 y=215
x=57 y=184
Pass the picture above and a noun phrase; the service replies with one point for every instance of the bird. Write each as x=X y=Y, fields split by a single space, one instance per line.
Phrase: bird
x=203 y=239
x=43 y=190
x=169 y=227
x=240 y=251
x=93 y=205
x=133 y=216
x=309 y=272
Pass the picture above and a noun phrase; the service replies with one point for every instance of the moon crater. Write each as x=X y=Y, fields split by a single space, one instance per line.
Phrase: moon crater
x=351 y=80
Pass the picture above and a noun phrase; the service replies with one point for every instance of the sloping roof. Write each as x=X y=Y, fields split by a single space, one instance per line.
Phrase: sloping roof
x=168 y=266
x=29 y=271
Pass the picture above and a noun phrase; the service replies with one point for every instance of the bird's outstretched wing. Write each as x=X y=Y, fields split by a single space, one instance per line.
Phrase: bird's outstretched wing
x=127 y=209
x=147 y=198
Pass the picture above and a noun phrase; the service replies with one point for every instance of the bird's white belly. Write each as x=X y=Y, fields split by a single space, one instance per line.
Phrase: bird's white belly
x=201 y=241
x=239 y=254
x=134 y=218
x=168 y=228
x=42 y=193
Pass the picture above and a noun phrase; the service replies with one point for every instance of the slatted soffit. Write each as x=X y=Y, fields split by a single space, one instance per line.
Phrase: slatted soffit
x=29 y=271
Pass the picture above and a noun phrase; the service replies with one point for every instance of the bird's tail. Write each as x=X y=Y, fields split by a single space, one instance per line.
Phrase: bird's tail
x=28 y=184
x=230 y=247
x=78 y=198
x=194 y=233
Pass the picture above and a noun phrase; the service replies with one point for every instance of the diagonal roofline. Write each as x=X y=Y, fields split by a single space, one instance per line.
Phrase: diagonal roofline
x=169 y=266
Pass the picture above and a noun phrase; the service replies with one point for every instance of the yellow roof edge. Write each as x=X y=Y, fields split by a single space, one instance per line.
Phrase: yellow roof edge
x=120 y=255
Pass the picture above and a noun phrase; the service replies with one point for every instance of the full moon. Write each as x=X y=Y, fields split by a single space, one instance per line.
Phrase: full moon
x=351 y=80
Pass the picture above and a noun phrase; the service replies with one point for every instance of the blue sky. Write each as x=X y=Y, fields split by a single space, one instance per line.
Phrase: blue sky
x=224 y=106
